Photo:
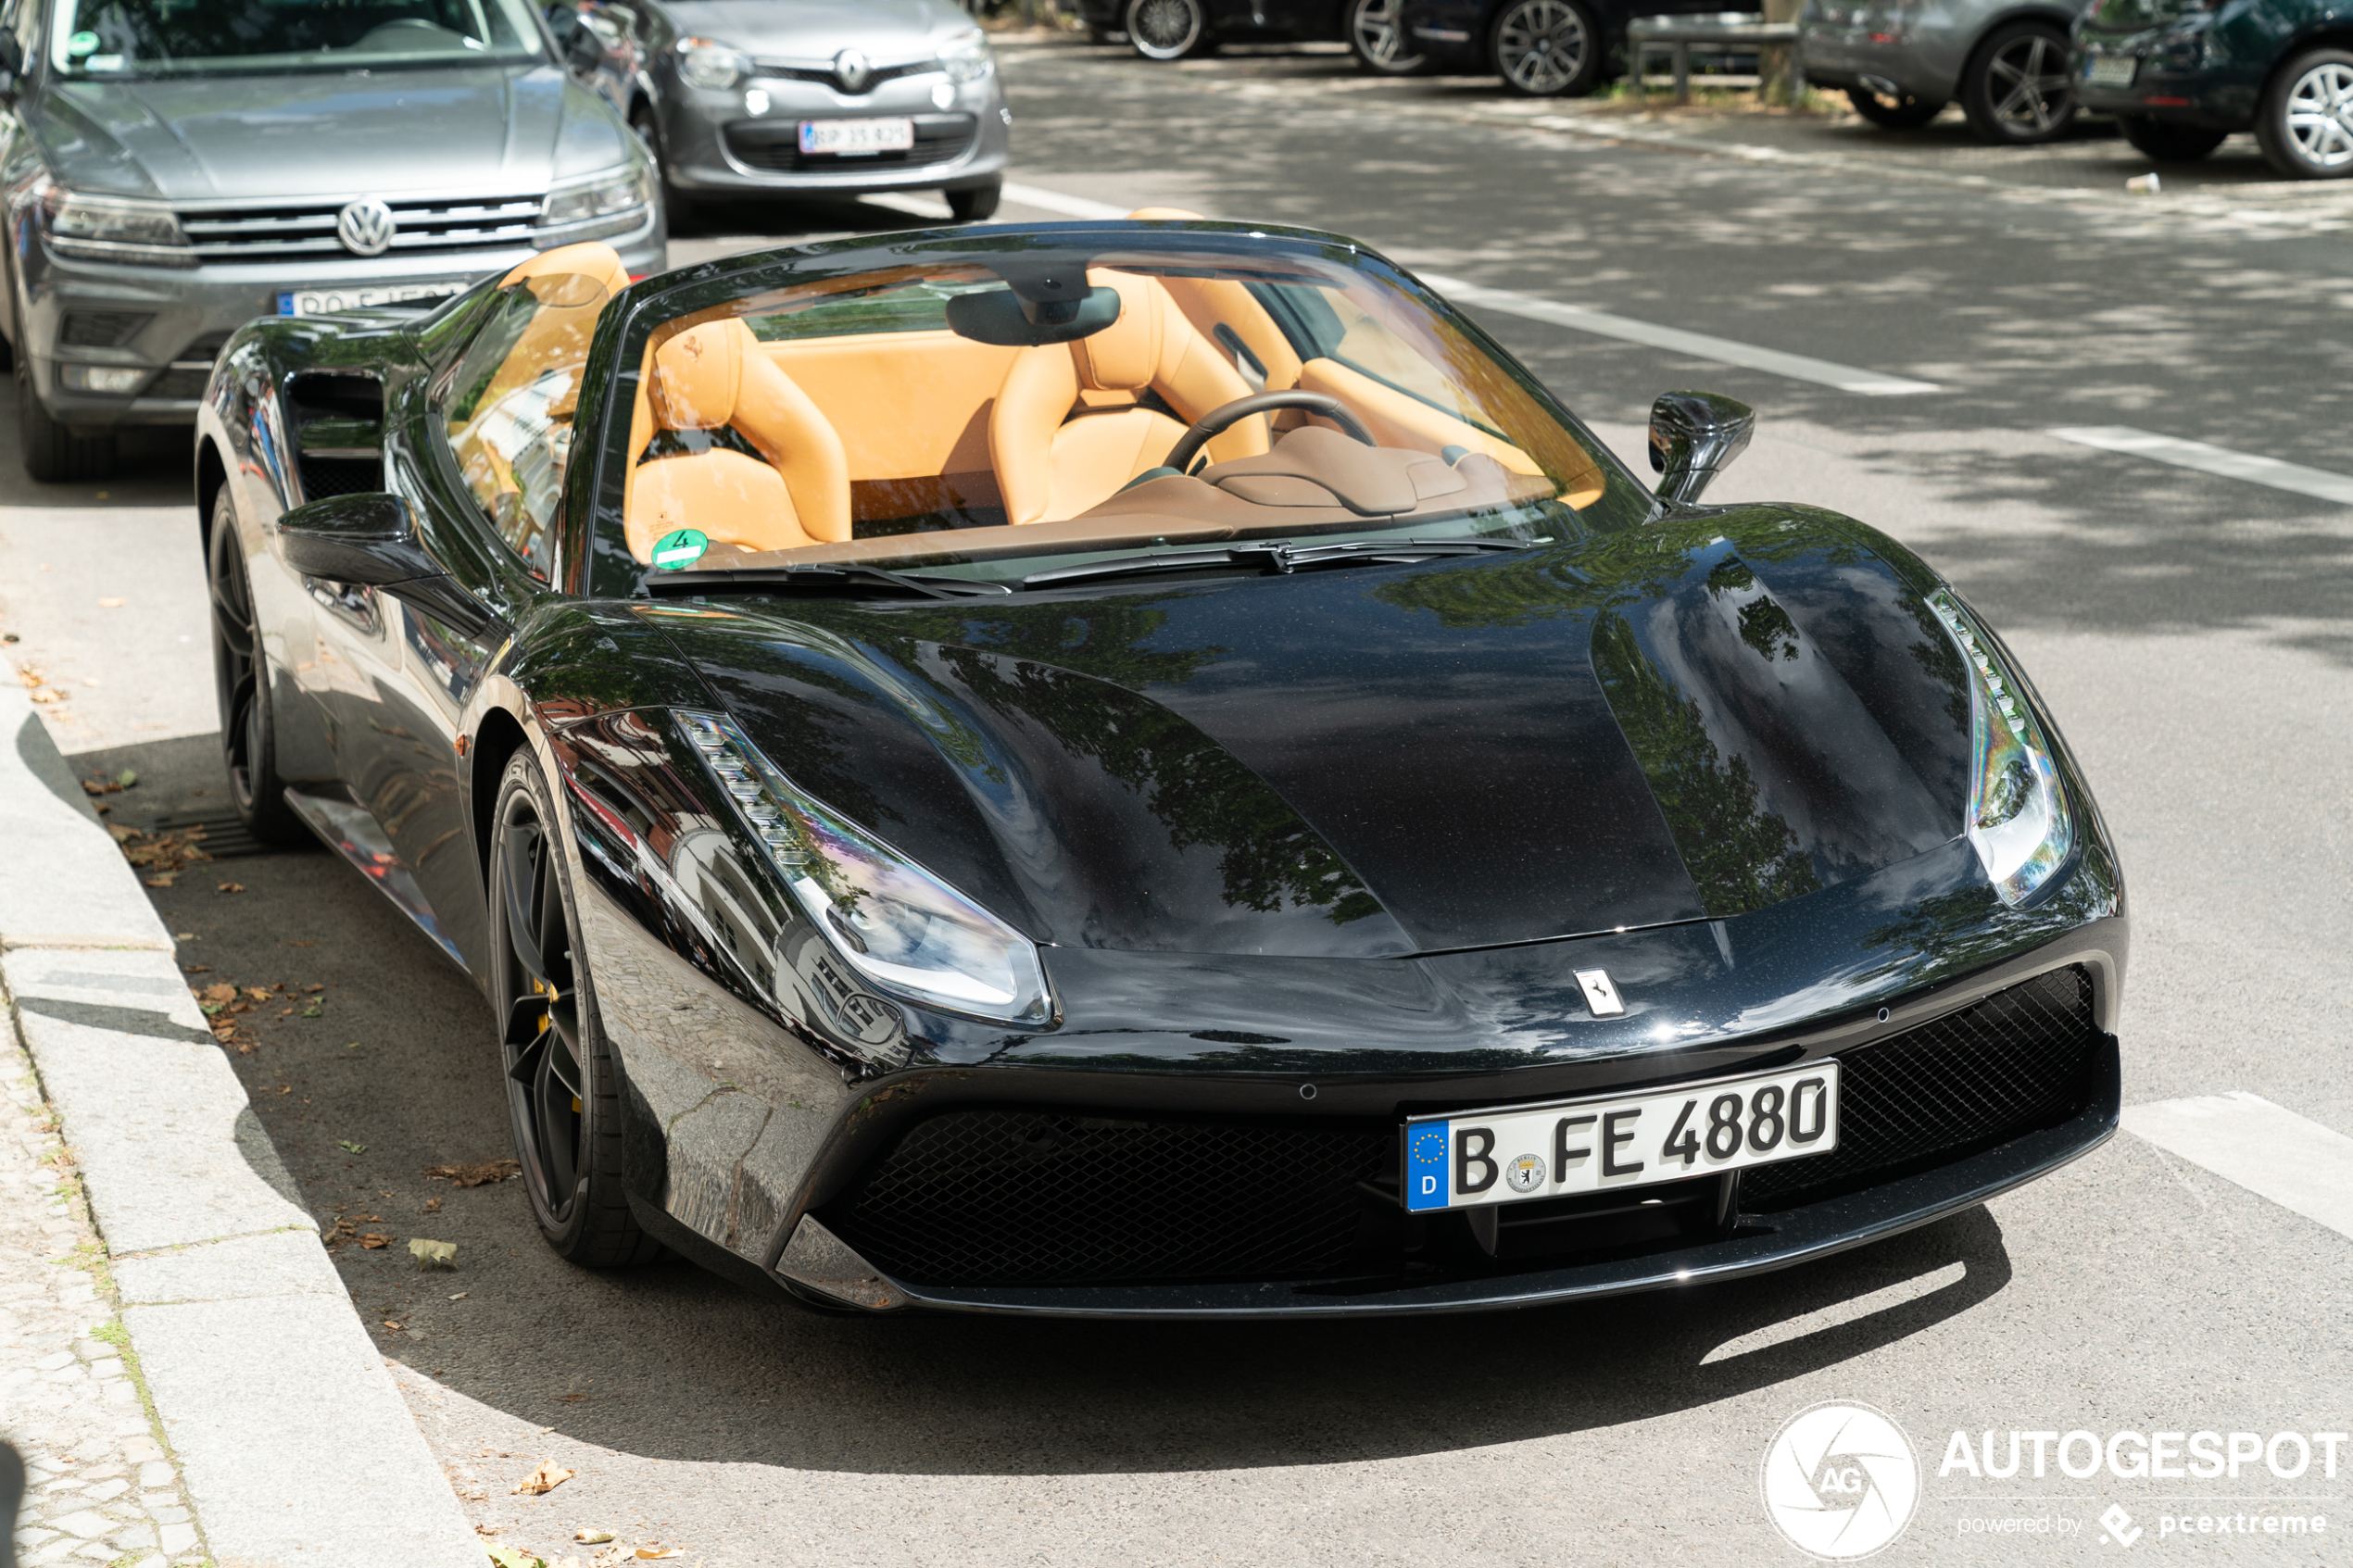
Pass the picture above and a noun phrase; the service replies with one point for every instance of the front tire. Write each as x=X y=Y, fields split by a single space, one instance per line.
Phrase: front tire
x=976 y=204
x=1376 y=30
x=241 y=687
x=563 y=1092
x=1167 y=30
x=52 y=454
x=1903 y=114
x=1548 y=48
x=2016 y=91
x=677 y=210
x=2167 y=142
x=2306 y=124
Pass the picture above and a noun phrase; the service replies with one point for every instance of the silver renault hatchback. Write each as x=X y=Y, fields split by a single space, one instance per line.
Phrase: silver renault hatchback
x=172 y=168
x=1901 y=61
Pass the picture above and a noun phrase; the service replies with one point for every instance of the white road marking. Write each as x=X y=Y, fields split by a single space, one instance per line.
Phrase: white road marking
x=1045 y=200
x=2222 y=460
x=1837 y=1314
x=2270 y=1152
x=1577 y=318
x=924 y=204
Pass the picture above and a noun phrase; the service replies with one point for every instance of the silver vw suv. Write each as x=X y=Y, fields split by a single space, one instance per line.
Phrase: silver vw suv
x=172 y=168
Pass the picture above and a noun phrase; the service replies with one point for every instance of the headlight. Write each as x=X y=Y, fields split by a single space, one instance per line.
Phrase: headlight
x=620 y=196
x=704 y=62
x=2019 y=820
x=113 y=229
x=966 y=58
x=906 y=931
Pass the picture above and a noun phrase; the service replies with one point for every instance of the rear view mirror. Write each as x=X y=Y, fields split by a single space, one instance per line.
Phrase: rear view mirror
x=1005 y=319
x=1694 y=435
x=368 y=541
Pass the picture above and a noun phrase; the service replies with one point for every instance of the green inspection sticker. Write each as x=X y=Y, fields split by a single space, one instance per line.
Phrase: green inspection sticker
x=680 y=549
x=83 y=44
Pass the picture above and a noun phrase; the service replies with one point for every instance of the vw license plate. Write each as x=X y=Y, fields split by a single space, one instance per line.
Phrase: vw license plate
x=853 y=138
x=2111 y=70
x=1527 y=1152
x=366 y=297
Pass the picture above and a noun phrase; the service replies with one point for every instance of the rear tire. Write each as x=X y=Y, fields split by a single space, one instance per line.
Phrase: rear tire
x=52 y=454
x=1168 y=30
x=2017 y=90
x=976 y=204
x=677 y=211
x=1376 y=32
x=1548 y=48
x=2167 y=141
x=1905 y=114
x=241 y=687
x=2305 y=125
x=563 y=1091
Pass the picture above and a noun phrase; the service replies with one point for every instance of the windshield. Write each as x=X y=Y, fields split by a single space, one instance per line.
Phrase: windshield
x=998 y=409
x=225 y=37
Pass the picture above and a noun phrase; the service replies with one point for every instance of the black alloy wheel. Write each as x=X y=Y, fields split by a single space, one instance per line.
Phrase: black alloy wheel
x=1168 y=30
x=1377 y=36
x=54 y=454
x=2304 y=124
x=1547 y=48
x=241 y=685
x=2016 y=91
x=1904 y=113
x=562 y=1092
x=2167 y=140
x=975 y=204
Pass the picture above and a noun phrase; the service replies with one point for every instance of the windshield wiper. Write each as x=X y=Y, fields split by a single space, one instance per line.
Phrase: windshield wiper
x=1279 y=555
x=681 y=584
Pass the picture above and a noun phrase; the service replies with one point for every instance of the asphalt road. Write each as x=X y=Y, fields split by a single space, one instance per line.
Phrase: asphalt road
x=2191 y=631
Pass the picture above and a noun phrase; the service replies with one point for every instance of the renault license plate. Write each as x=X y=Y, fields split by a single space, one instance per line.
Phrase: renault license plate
x=1605 y=1143
x=366 y=297
x=2111 y=70
x=857 y=138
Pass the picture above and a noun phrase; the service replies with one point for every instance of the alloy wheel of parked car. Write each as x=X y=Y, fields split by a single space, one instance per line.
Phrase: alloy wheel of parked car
x=2168 y=140
x=54 y=454
x=1377 y=36
x=561 y=1089
x=1547 y=48
x=2017 y=90
x=241 y=683
x=1895 y=113
x=1167 y=30
x=2306 y=123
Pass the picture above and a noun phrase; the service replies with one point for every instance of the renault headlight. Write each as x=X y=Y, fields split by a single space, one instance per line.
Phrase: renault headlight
x=112 y=227
x=621 y=196
x=705 y=62
x=2019 y=821
x=909 y=934
x=966 y=58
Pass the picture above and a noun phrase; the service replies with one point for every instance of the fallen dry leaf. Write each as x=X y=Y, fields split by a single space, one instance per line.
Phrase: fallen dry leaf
x=432 y=1206
x=166 y=880
x=432 y=1254
x=233 y=887
x=219 y=991
x=547 y=1478
x=593 y=1537
x=259 y=993
x=656 y=1554
x=482 y=1173
x=196 y=968
x=109 y=603
x=373 y=1240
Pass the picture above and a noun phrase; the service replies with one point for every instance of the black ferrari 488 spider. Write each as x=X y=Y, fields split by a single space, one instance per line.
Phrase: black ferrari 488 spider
x=1146 y=767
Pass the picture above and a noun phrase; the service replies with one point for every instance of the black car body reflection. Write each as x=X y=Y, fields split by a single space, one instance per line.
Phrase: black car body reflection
x=937 y=930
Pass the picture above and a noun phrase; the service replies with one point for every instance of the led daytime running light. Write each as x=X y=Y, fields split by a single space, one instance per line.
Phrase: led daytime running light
x=2019 y=821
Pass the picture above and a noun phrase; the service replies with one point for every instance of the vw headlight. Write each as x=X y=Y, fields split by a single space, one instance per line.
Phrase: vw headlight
x=909 y=934
x=2019 y=821
x=621 y=197
x=113 y=228
x=966 y=58
x=704 y=62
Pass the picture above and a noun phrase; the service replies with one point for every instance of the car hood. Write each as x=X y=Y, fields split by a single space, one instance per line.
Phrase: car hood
x=1688 y=720
x=480 y=130
x=887 y=31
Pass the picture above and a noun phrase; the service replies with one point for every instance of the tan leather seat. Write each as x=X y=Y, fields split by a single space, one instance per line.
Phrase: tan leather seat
x=715 y=376
x=1069 y=430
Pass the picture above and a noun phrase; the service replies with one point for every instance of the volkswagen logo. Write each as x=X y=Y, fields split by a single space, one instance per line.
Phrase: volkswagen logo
x=851 y=70
x=366 y=227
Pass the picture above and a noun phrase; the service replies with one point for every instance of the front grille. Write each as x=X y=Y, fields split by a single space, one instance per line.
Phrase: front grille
x=774 y=147
x=1039 y=1196
x=2017 y=1060
x=876 y=76
x=101 y=329
x=268 y=233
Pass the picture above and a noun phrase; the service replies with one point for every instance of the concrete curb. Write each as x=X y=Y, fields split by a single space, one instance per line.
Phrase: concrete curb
x=294 y=1445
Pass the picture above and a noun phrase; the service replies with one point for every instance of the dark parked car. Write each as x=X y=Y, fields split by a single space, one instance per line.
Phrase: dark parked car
x=1173 y=30
x=1541 y=48
x=1901 y=61
x=1145 y=768
x=2180 y=75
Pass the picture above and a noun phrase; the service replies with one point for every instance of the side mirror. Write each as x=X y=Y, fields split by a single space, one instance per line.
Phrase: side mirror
x=1694 y=435
x=368 y=540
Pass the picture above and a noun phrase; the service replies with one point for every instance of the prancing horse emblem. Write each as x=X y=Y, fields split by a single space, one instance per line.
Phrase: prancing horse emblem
x=1600 y=994
x=366 y=227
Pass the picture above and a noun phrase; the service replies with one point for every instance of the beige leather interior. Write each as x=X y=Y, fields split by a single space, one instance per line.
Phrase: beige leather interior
x=912 y=412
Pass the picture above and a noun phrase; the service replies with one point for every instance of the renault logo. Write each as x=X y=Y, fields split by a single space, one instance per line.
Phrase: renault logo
x=366 y=227
x=850 y=72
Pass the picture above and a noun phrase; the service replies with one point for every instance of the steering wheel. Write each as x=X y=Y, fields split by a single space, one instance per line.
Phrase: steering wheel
x=1218 y=420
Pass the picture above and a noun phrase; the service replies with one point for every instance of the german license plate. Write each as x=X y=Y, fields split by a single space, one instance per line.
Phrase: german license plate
x=1602 y=1144
x=857 y=138
x=366 y=297
x=2111 y=70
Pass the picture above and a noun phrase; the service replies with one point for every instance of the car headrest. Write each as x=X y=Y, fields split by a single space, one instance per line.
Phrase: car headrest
x=590 y=259
x=1124 y=356
x=1165 y=215
x=697 y=376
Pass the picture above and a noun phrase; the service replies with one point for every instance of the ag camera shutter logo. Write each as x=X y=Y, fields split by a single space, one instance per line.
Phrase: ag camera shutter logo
x=1841 y=1481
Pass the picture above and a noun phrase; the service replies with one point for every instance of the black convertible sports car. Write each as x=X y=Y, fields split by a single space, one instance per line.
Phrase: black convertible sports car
x=1147 y=767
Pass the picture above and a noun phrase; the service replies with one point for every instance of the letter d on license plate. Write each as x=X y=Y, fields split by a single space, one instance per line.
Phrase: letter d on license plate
x=1519 y=1153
